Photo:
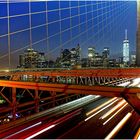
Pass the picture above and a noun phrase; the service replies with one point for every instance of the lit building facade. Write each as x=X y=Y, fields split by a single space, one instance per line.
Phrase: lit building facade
x=70 y=58
x=98 y=60
x=75 y=57
x=91 y=56
x=126 y=49
x=105 y=56
x=41 y=62
x=91 y=52
x=32 y=59
x=65 y=58
x=106 y=52
x=133 y=60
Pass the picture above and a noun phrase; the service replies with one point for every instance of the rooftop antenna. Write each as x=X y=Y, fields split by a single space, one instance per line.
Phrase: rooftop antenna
x=125 y=34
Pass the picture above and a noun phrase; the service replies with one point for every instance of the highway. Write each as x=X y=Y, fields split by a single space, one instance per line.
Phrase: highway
x=100 y=123
x=95 y=120
x=48 y=115
x=68 y=121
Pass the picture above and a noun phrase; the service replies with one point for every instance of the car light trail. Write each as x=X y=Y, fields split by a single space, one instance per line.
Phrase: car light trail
x=137 y=136
x=132 y=83
x=101 y=110
x=115 y=114
x=102 y=105
x=118 y=127
x=113 y=109
x=55 y=123
x=124 y=84
x=38 y=133
x=24 y=129
x=135 y=82
x=79 y=101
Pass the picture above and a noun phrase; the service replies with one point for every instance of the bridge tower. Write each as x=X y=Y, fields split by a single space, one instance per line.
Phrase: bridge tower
x=138 y=35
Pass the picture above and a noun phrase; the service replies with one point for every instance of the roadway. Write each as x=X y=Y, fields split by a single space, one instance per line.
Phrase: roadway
x=95 y=120
x=62 y=120
x=98 y=122
x=101 y=123
x=50 y=114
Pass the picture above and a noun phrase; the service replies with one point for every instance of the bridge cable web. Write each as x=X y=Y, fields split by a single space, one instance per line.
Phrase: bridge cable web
x=90 y=23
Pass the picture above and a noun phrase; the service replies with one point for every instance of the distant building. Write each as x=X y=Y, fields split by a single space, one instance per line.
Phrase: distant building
x=126 y=49
x=106 y=53
x=65 y=58
x=133 y=60
x=32 y=59
x=120 y=60
x=50 y=64
x=112 y=62
x=69 y=58
x=91 y=52
x=105 y=57
x=84 y=62
x=41 y=60
x=21 y=60
x=75 y=57
x=98 y=60
x=91 y=56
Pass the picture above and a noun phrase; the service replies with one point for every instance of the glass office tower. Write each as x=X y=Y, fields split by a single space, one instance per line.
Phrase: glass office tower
x=126 y=49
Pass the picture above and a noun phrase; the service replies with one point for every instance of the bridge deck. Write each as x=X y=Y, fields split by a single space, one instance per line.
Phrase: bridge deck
x=40 y=87
x=131 y=94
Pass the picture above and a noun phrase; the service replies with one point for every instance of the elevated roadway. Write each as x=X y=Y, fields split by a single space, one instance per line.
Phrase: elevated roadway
x=38 y=85
x=129 y=93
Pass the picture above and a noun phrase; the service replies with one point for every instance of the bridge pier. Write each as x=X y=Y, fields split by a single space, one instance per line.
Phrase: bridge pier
x=14 y=108
x=36 y=101
x=53 y=94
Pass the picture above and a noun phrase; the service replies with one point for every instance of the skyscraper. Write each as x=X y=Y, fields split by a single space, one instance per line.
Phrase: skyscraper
x=106 y=52
x=64 y=58
x=75 y=57
x=32 y=59
x=138 y=35
x=125 y=49
x=91 y=56
x=91 y=52
x=105 y=57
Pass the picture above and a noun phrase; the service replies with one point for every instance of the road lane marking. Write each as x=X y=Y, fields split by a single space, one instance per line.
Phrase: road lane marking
x=121 y=103
x=40 y=132
x=102 y=105
x=36 y=124
x=137 y=136
x=115 y=114
x=118 y=127
x=101 y=110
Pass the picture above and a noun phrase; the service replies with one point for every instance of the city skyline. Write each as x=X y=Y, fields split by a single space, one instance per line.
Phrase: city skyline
x=64 y=25
x=71 y=58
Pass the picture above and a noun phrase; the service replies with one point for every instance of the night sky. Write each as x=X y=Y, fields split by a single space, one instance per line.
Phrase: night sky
x=58 y=25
